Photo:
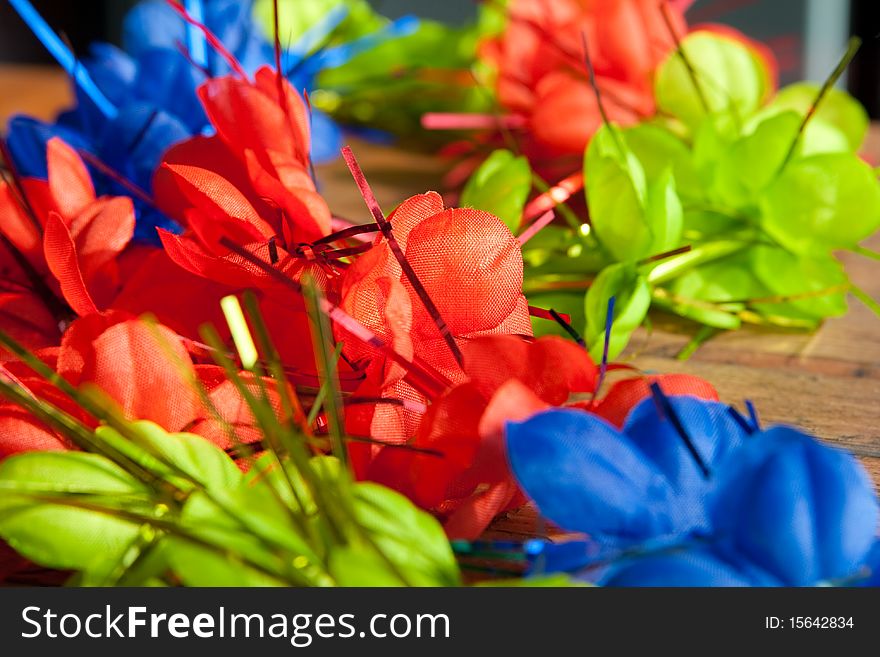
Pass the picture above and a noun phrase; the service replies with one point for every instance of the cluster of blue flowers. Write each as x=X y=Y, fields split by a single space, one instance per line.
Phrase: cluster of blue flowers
x=690 y=493
x=134 y=103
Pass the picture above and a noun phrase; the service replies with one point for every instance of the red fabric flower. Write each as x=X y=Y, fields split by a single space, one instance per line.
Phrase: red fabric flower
x=470 y=266
x=146 y=371
x=249 y=184
x=62 y=248
x=542 y=74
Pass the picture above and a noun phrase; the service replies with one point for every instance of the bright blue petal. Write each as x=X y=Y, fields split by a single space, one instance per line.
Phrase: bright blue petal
x=586 y=476
x=134 y=144
x=692 y=567
x=567 y=556
x=152 y=24
x=710 y=427
x=27 y=139
x=326 y=138
x=167 y=80
x=112 y=70
x=872 y=564
x=799 y=509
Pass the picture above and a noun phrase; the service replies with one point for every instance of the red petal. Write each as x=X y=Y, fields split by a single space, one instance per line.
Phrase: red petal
x=61 y=257
x=76 y=344
x=553 y=368
x=130 y=362
x=216 y=199
x=69 y=182
x=19 y=229
x=100 y=234
x=250 y=117
x=209 y=153
x=25 y=317
x=470 y=265
x=21 y=432
x=624 y=395
x=195 y=301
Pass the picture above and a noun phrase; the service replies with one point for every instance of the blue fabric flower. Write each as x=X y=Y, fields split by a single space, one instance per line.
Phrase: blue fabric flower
x=801 y=510
x=622 y=488
x=777 y=508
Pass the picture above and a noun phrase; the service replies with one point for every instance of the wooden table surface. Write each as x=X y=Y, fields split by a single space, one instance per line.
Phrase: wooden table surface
x=827 y=382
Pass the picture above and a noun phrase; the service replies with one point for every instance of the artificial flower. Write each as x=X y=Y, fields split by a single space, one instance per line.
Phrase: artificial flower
x=146 y=371
x=542 y=76
x=691 y=493
x=64 y=248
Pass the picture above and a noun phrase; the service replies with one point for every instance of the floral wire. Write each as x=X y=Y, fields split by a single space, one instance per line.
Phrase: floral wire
x=387 y=232
x=664 y=406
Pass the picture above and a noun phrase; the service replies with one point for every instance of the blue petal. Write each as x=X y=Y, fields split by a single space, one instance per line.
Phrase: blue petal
x=567 y=556
x=586 y=476
x=167 y=80
x=27 y=141
x=152 y=24
x=112 y=70
x=692 y=567
x=708 y=424
x=872 y=564
x=134 y=144
x=804 y=511
x=326 y=138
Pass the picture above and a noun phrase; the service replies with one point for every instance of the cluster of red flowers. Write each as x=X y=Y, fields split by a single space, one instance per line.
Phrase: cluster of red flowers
x=542 y=75
x=447 y=360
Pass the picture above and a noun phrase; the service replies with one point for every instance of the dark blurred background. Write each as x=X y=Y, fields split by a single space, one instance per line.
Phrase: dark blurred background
x=807 y=36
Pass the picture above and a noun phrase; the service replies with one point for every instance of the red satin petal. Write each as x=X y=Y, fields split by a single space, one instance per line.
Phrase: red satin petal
x=129 y=361
x=553 y=368
x=26 y=318
x=195 y=301
x=61 y=256
x=624 y=395
x=70 y=184
x=470 y=265
x=216 y=199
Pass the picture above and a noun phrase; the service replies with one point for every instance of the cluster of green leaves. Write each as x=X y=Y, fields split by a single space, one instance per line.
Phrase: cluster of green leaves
x=139 y=506
x=763 y=188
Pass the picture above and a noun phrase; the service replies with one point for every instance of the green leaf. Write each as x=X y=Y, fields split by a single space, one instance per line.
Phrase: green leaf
x=66 y=472
x=664 y=214
x=632 y=300
x=785 y=274
x=412 y=539
x=657 y=149
x=536 y=581
x=704 y=293
x=751 y=163
x=712 y=138
x=198 y=458
x=616 y=194
x=265 y=527
x=732 y=79
x=57 y=535
x=821 y=203
x=500 y=186
x=838 y=112
x=296 y=18
x=357 y=566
